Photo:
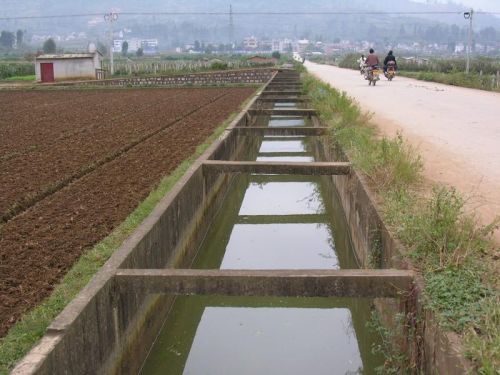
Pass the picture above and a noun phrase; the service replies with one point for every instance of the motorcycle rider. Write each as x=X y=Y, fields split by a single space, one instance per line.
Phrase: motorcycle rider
x=372 y=60
x=361 y=62
x=390 y=57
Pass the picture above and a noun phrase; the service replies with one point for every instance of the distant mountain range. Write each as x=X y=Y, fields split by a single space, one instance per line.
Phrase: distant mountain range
x=179 y=29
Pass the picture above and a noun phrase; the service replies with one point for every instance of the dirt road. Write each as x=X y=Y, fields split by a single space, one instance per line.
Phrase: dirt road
x=456 y=130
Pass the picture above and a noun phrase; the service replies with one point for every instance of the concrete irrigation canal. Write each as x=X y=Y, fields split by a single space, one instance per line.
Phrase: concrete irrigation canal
x=255 y=263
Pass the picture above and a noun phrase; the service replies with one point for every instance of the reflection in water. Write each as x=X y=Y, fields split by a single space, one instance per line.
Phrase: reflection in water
x=304 y=159
x=285 y=105
x=270 y=145
x=216 y=335
x=250 y=341
x=282 y=198
x=277 y=121
x=280 y=246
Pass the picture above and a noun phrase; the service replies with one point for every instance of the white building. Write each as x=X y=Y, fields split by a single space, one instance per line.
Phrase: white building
x=149 y=46
x=117 y=45
x=283 y=45
x=133 y=44
x=302 y=45
x=250 y=42
x=76 y=66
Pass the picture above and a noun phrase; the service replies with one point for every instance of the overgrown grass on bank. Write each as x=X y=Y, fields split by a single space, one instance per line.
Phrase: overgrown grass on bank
x=453 y=253
x=26 y=333
x=472 y=80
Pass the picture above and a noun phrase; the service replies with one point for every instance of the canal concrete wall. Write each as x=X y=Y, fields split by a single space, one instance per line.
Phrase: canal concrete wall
x=435 y=351
x=235 y=77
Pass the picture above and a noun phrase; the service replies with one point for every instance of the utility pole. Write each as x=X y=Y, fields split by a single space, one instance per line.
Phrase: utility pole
x=110 y=18
x=231 y=25
x=469 y=16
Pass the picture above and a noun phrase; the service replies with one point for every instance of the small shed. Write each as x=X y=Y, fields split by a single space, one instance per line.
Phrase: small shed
x=74 y=66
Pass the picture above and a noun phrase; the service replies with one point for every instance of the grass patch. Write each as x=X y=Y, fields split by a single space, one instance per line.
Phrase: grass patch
x=26 y=333
x=21 y=78
x=483 y=341
x=16 y=69
x=395 y=359
x=472 y=80
x=453 y=253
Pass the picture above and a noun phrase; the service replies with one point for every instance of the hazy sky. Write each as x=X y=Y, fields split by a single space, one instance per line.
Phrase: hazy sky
x=486 y=5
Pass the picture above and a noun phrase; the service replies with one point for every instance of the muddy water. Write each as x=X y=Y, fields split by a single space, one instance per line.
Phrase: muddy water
x=270 y=222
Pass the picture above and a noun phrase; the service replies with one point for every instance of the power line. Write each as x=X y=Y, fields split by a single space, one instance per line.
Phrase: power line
x=249 y=13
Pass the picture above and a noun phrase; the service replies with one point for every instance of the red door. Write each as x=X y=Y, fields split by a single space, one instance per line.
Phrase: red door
x=47 y=70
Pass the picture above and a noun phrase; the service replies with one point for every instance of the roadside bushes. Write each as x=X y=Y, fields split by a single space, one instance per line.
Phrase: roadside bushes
x=472 y=80
x=350 y=61
x=479 y=64
x=8 y=70
x=219 y=65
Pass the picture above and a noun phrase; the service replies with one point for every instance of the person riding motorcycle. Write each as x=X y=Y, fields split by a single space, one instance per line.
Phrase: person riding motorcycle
x=390 y=57
x=371 y=61
x=361 y=62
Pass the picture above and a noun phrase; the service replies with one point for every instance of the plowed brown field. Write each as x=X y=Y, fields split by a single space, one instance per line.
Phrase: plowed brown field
x=73 y=165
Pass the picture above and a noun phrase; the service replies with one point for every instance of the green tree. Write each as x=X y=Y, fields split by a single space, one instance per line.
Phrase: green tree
x=49 y=46
x=197 y=45
x=19 y=38
x=124 y=48
x=276 y=55
x=7 y=39
x=208 y=49
x=140 y=52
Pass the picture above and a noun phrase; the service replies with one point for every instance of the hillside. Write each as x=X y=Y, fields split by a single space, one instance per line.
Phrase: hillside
x=179 y=29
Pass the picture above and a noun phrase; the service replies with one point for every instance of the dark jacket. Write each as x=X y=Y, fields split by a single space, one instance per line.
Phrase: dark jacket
x=389 y=58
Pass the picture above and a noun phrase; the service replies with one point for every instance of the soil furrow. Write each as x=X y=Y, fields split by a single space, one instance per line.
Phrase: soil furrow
x=33 y=198
x=40 y=245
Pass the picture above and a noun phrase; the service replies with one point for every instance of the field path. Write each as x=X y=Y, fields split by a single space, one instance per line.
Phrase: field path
x=456 y=130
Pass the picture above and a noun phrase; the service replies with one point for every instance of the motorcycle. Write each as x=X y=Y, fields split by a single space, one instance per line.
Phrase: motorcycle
x=390 y=72
x=372 y=75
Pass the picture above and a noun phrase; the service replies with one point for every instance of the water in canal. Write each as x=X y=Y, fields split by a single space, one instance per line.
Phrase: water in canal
x=271 y=222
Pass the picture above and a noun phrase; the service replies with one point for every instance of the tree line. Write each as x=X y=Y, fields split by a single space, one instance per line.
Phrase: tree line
x=9 y=39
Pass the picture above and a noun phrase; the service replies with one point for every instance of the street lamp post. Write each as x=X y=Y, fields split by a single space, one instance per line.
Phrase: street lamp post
x=469 y=16
x=111 y=17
